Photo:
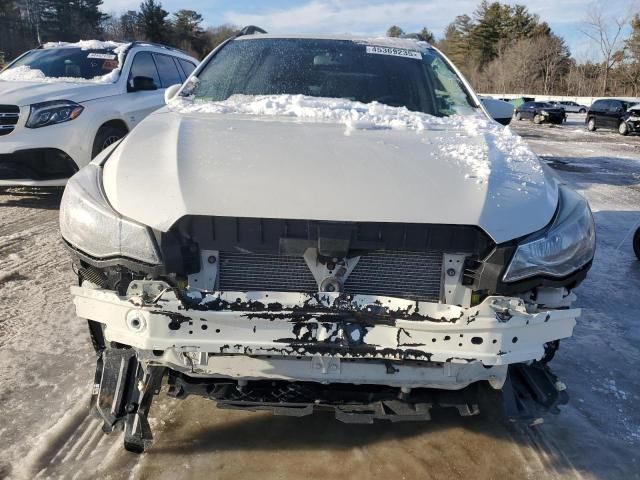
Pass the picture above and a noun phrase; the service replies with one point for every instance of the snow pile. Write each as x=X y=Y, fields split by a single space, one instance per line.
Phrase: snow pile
x=24 y=73
x=355 y=115
x=471 y=140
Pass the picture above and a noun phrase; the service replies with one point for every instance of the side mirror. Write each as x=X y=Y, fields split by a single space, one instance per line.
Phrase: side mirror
x=170 y=92
x=500 y=111
x=137 y=84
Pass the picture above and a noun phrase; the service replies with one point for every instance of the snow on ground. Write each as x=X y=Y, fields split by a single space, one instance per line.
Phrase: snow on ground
x=46 y=369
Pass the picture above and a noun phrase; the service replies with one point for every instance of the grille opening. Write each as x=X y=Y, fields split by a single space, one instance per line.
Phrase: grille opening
x=9 y=115
x=411 y=275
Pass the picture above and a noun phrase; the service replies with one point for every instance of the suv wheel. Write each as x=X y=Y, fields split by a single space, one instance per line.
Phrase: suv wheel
x=623 y=128
x=106 y=136
x=537 y=119
x=591 y=124
x=518 y=116
x=636 y=243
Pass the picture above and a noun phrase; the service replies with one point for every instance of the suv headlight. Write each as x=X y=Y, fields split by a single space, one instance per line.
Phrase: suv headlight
x=50 y=113
x=88 y=222
x=566 y=246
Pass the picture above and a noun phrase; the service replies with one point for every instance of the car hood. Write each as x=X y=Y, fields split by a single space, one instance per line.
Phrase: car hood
x=28 y=93
x=473 y=173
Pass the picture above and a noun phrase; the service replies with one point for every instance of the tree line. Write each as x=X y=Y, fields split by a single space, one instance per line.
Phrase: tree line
x=499 y=48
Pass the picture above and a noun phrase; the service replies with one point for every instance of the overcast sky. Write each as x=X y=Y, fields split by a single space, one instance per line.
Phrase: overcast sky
x=566 y=17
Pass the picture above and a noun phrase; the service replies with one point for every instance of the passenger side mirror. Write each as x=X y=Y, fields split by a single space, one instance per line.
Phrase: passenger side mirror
x=137 y=84
x=171 y=92
x=500 y=111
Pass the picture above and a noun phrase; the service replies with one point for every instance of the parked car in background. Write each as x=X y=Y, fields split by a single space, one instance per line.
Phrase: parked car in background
x=614 y=114
x=570 y=107
x=541 y=112
x=62 y=104
x=428 y=278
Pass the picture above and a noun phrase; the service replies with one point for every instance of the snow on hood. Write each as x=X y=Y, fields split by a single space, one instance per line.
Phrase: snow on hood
x=372 y=116
x=296 y=157
x=24 y=73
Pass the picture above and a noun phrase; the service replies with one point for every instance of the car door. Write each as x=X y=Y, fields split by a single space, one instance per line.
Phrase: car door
x=141 y=103
x=616 y=113
x=526 y=110
x=600 y=111
x=168 y=70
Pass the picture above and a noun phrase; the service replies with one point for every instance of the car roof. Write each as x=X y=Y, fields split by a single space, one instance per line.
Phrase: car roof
x=408 y=43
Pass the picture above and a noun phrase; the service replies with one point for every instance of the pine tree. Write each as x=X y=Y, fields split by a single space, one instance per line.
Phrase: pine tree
x=187 y=30
x=153 y=22
x=70 y=20
x=426 y=35
x=395 y=31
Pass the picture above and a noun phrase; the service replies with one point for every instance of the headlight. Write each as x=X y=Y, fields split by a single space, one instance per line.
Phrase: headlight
x=88 y=222
x=50 y=113
x=566 y=246
x=544 y=112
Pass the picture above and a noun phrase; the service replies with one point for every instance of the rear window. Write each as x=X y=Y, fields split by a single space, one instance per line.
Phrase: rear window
x=70 y=62
x=418 y=80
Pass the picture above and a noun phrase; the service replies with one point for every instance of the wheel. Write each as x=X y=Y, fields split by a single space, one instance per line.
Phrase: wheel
x=582 y=110
x=636 y=243
x=106 y=136
x=537 y=119
x=623 y=128
x=591 y=124
x=518 y=116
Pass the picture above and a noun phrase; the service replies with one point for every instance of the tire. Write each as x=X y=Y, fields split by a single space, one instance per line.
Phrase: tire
x=623 y=128
x=106 y=136
x=591 y=124
x=582 y=110
x=537 y=119
x=636 y=243
x=518 y=116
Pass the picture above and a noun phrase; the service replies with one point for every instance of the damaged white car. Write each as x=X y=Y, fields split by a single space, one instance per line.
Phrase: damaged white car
x=323 y=223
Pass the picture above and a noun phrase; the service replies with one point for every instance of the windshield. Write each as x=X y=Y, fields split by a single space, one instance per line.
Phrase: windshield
x=69 y=62
x=419 y=80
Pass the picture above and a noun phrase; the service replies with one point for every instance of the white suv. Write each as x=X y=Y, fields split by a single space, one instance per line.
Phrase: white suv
x=61 y=104
x=323 y=223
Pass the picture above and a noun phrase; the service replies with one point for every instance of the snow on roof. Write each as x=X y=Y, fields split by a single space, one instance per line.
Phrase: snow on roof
x=472 y=139
x=86 y=45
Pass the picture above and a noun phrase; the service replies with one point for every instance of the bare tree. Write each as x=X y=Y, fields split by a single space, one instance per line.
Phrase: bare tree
x=606 y=31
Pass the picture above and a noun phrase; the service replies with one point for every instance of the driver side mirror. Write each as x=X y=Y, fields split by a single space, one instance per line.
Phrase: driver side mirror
x=499 y=110
x=137 y=84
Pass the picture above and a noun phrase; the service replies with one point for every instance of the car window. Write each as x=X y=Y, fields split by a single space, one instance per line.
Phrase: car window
x=599 y=105
x=169 y=74
x=187 y=67
x=418 y=80
x=144 y=66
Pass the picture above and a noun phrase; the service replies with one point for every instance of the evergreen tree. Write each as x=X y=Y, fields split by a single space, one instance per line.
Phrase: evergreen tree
x=187 y=30
x=70 y=20
x=152 y=21
x=395 y=31
x=426 y=35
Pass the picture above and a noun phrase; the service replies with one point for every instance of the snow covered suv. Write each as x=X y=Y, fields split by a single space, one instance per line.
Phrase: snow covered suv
x=324 y=223
x=61 y=104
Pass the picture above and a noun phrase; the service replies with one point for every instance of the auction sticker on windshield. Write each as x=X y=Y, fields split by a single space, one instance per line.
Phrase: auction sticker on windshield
x=396 y=52
x=104 y=56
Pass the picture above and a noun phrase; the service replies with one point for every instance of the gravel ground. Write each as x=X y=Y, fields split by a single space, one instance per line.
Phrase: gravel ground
x=46 y=369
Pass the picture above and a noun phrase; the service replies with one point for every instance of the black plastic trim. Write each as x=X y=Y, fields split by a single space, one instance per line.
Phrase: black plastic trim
x=134 y=265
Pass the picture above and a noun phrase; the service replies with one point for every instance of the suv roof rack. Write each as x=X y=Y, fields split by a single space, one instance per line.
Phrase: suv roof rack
x=250 y=30
x=158 y=45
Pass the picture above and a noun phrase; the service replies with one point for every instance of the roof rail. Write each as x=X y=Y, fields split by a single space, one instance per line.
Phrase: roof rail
x=158 y=45
x=250 y=30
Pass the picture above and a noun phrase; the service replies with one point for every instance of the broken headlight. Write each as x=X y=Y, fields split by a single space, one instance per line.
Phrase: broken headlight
x=88 y=223
x=566 y=246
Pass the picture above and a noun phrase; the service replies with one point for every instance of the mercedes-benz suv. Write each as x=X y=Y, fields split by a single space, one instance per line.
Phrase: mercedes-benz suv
x=63 y=103
x=323 y=223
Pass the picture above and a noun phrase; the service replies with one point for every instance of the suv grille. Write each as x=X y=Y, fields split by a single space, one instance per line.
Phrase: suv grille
x=413 y=275
x=9 y=115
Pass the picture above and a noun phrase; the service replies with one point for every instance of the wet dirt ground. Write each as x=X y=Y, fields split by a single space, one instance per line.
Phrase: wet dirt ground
x=46 y=369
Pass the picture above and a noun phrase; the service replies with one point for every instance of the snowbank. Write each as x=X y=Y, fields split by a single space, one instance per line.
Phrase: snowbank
x=24 y=73
x=472 y=139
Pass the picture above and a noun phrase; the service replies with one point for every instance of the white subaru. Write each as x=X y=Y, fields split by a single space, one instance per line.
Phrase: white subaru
x=324 y=223
x=63 y=103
